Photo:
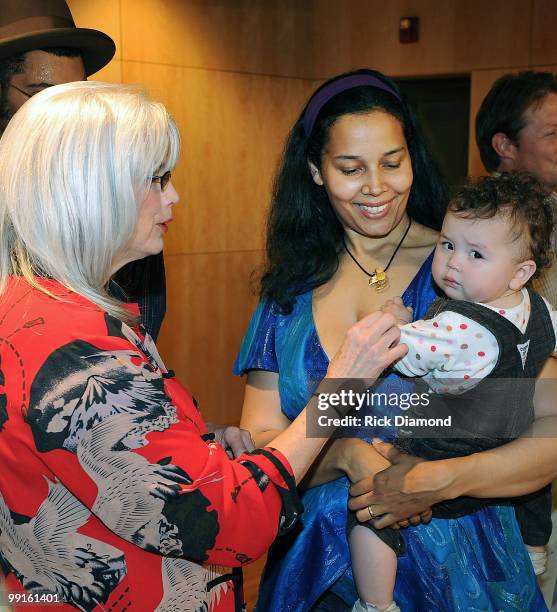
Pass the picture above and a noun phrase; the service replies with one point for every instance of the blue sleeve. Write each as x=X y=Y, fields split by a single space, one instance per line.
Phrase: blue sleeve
x=422 y=290
x=257 y=351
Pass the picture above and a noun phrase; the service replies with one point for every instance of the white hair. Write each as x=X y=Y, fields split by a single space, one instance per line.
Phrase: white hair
x=76 y=162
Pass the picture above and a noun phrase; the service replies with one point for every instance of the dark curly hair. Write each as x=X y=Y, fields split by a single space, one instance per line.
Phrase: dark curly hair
x=523 y=199
x=304 y=236
x=504 y=107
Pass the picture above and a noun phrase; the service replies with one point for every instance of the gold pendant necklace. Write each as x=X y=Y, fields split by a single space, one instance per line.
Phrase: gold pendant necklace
x=378 y=279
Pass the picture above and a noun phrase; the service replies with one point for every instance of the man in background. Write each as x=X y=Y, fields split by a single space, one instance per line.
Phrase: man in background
x=40 y=46
x=516 y=130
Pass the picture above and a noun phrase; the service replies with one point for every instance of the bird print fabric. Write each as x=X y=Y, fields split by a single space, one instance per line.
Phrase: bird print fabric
x=110 y=496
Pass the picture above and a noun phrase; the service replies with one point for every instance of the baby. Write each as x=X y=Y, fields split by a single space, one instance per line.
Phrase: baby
x=490 y=338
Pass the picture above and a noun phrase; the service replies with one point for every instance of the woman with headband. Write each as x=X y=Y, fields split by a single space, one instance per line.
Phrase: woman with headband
x=357 y=205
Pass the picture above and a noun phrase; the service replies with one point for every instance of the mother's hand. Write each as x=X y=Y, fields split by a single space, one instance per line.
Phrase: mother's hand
x=401 y=494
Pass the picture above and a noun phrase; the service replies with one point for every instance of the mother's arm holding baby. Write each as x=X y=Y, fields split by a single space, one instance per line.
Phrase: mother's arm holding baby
x=410 y=485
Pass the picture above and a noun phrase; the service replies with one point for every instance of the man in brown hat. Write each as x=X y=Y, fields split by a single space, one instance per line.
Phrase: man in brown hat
x=40 y=46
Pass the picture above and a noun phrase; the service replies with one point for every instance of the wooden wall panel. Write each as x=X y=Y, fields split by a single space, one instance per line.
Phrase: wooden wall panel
x=252 y=577
x=318 y=38
x=219 y=34
x=209 y=306
x=233 y=127
x=376 y=32
x=491 y=34
x=103 y=15
x=544 y=41
x=112 y=73
x=455 y=36
x=308 y=39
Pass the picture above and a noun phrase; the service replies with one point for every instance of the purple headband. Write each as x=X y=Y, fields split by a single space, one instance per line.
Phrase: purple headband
x=333 y=89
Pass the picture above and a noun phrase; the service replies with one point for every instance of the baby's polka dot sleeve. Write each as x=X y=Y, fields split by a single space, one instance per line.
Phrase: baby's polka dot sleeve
x=451 y=351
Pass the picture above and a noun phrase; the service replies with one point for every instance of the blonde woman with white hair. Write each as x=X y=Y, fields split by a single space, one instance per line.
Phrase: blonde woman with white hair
x=112 y=491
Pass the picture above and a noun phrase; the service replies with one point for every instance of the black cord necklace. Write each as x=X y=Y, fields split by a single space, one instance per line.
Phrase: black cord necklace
x=378 y=278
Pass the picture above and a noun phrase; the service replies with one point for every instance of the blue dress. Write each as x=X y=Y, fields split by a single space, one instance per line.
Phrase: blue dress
x=475 y=563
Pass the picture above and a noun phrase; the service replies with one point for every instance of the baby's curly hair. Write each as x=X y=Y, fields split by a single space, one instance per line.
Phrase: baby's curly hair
x=523 y=199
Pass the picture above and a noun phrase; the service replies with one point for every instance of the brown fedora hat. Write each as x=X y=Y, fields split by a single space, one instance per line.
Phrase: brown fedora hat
x=27 y=25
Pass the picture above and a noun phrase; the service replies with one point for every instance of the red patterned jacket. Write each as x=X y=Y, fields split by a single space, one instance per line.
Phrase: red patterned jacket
x=111 y=495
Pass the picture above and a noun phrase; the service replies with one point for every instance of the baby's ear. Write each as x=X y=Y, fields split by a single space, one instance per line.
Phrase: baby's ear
x=523 y=273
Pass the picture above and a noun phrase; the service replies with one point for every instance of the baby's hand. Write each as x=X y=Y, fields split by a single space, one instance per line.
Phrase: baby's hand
x=397 y=308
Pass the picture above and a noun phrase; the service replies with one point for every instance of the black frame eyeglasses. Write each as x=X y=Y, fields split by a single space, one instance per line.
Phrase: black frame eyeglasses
x=164 y=179
x=25 y=93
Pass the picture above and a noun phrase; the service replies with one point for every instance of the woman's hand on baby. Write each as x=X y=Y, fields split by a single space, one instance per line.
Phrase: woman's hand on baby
x=370 y=346
x=396 y=307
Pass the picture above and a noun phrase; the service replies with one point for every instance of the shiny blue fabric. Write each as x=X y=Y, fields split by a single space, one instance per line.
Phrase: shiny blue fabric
x=474 y=563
